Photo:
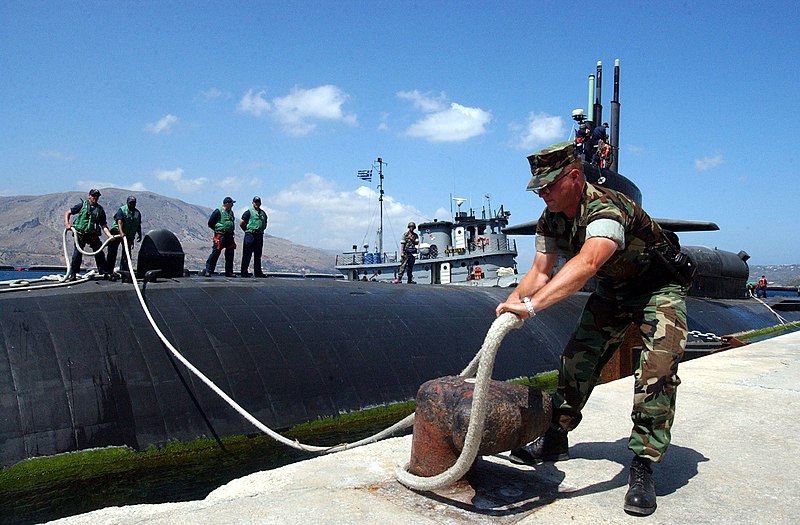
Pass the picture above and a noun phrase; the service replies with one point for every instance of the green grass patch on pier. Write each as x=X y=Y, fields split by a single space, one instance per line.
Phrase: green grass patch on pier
x=43 y=489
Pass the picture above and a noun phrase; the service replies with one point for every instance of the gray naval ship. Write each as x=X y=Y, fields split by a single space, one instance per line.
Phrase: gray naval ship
x=469 y=249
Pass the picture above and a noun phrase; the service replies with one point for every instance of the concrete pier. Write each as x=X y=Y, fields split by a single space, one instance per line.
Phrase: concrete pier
x=733 y=459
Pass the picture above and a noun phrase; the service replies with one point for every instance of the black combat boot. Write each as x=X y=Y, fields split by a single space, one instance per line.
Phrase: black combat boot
x=553 y=445
x=641 y=497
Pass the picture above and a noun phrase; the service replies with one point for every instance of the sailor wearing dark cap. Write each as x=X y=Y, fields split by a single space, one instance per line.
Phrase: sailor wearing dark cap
x=254 y=222
x=222 y=222
x=90 y=219
x=605 y=235
x=127 y=222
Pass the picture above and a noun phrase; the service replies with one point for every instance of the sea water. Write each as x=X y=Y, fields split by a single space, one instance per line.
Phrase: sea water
x=11 y=275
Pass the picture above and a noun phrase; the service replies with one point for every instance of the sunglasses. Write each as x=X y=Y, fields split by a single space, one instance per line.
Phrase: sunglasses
x=546 y=189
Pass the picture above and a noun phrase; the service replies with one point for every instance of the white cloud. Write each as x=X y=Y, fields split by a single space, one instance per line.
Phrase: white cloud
x=425 y=102
x=708 y=163
x=237 y=183
x=541 y=130
x=453 y=123
x=169 y=175
x=634 y=149
x=164 y=125
x=213 y=93
x=55 y=155
x=253 y=103
x=299 y=111
x=384 y=125
x=177 y=179
x=86 y=185
x=314 y=212
x=136 y=186
x=442 y=214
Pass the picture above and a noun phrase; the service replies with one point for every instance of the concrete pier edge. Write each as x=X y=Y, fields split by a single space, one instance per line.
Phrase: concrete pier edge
x=733 y=460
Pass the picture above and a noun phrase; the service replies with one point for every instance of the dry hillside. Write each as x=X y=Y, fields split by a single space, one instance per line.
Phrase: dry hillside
x=32 y=226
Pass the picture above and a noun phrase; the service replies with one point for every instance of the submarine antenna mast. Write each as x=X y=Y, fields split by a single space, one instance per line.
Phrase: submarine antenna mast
x=615 y=119
x=597 y=113
x=380 y=199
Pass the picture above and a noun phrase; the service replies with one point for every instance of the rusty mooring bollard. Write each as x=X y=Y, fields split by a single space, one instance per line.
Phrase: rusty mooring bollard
x=516 y=415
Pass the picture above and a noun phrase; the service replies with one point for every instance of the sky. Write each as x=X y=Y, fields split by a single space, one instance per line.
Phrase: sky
x=289 y=100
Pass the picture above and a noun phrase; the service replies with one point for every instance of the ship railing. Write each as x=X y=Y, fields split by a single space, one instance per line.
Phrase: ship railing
x=346 y=259
x=495 y=244
x=359 y=258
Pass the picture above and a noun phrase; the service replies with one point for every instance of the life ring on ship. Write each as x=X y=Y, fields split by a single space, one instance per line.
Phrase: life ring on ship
x=482 y=242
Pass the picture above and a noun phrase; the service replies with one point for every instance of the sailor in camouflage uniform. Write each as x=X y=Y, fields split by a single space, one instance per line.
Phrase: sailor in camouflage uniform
x=605 y=235
x=408 y=250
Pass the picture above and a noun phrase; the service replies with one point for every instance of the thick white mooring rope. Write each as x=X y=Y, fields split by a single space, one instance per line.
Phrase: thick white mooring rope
x=56 y=281
x=781 y=319
x=483 y=362
x=499 y=328
x=78 y=247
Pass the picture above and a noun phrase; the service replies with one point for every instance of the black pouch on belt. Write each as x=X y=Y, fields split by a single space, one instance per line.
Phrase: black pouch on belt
x=668 y=253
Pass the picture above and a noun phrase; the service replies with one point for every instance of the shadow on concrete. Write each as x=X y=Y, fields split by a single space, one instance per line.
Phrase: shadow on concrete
x=505 y=492
x=491 y=493
x=675 y=470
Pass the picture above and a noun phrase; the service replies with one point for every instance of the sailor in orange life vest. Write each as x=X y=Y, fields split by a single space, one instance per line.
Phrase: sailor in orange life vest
x=603 y=150
x=604 y=234
x=222 y=222
x=761 y=287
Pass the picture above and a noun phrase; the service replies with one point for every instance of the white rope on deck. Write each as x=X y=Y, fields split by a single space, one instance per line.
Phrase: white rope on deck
x=56 y=280
x=781 y=319
x=499 y=328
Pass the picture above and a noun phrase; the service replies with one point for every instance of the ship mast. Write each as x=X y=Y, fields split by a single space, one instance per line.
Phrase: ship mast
x=380 y=199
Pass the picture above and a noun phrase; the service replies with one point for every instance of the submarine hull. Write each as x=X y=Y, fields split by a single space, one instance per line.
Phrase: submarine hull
x=81 y=367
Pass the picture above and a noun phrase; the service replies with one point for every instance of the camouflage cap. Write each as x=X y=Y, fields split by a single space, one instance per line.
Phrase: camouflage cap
x=548 y=163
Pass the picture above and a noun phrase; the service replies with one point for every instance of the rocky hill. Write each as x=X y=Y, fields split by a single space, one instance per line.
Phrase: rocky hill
x=777 y=274
x=31 y=231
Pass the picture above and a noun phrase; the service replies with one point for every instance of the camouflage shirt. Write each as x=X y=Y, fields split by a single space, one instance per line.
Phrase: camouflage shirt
x=409 y=242
x=603 y=213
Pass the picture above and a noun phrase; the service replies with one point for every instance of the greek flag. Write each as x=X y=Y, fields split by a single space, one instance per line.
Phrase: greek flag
x=365 y=175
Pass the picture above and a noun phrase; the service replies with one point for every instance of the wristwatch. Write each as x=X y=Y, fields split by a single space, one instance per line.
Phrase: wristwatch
x=529 y=306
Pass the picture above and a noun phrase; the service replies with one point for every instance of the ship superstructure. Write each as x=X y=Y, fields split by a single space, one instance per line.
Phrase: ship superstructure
x=470 y=249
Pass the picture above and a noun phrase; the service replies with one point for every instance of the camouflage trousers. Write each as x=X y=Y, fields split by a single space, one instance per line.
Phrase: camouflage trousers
x=660 y=317
x=407 y=266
